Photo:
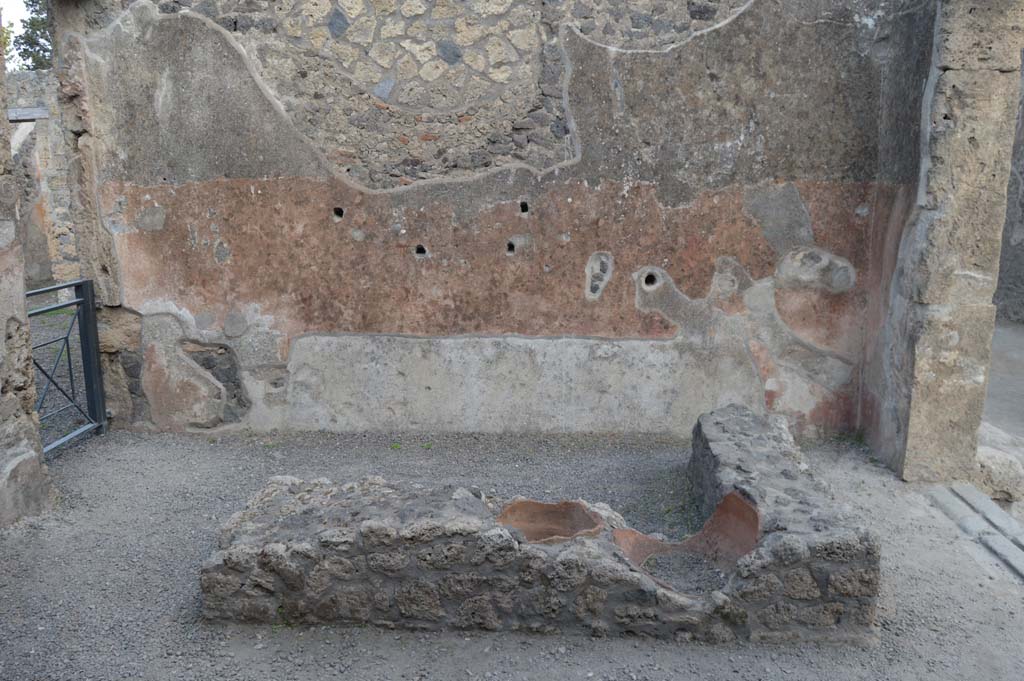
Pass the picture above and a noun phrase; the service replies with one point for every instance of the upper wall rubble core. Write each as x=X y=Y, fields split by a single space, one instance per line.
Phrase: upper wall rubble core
x=142 y=30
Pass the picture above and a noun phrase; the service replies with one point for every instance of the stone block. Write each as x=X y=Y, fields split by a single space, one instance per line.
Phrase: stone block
x=981 y=36
x=801 y=585
x=972 y=128
x=951 y=353
x=854 y=583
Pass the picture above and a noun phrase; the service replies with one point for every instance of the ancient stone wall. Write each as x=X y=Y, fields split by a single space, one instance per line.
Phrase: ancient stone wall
x=489 y=215
x=927 y=379
x=41 y=158
x=24 y=486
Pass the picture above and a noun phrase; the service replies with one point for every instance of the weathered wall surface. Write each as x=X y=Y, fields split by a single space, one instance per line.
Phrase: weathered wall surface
x=25 y=90
x=41 y=160
x=1010 y=291
x=927 y=387
x=568 y=216
x=24 y=486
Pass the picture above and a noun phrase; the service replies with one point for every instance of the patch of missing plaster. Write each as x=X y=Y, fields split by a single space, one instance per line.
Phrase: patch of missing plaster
x=815 y=268
x=152 y=218
x=730 y=278
x=8 y=232
x=820 y=365
x=221 y=252
x=782 y=215
x=222 y=364
x=728 y=285
x=131 y=363
x=600 y=267
x=235 y=323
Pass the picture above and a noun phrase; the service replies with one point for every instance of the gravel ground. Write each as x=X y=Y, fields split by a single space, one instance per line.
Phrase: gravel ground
x=43 y=328
x=106 y=586
x=686 y=572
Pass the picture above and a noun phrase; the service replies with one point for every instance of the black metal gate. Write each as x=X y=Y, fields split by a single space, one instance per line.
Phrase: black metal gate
x=69 y=383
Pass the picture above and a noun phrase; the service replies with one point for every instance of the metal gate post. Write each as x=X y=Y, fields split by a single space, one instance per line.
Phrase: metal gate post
x=90 y=343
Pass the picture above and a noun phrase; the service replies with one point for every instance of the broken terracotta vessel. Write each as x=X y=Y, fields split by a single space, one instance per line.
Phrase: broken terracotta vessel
x=544 y=523
x=732 y=531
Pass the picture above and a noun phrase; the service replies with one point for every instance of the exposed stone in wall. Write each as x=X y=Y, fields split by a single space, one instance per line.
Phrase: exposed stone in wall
x=42 y=158
x=120 y=340
x=24 y=484
x=184 y=383
x=939 y=331
x=814 y=268
x=600 y=269
x=221 y=363
x=370 y=552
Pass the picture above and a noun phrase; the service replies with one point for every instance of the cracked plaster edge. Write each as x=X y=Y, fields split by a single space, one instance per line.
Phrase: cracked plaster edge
x=668 y=48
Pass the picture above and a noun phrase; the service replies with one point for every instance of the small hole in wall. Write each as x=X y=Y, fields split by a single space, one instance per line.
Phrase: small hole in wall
x=339 y=213
x=524 y=207
x=510 y=248
x=651 y=280
x=421 y=251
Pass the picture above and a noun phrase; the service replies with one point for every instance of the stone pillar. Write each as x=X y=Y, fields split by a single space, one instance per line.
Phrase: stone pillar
x=949 y=255
x=24 y=484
